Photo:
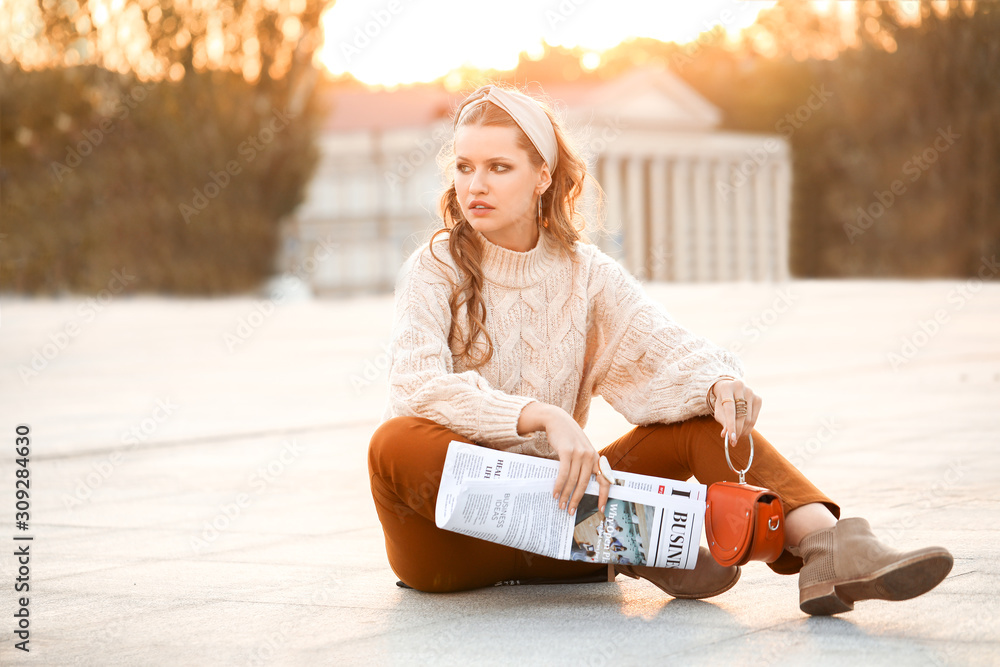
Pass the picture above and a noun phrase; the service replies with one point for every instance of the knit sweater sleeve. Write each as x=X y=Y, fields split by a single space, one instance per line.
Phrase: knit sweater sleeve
x=646 y=365
x=422 y=377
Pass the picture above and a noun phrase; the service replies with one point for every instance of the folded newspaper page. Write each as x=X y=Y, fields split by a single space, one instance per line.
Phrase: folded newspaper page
x=507 y=498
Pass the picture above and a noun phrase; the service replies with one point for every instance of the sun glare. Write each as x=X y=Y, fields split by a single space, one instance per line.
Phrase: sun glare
x=397 y=42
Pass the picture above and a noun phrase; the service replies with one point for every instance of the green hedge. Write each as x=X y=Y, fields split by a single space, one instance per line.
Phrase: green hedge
x=180 y=184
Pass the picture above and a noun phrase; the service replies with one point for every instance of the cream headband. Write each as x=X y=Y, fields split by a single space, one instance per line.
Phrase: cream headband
x=529 y=116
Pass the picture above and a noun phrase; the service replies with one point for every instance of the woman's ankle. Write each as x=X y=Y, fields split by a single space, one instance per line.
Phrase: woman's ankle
x=804 y=520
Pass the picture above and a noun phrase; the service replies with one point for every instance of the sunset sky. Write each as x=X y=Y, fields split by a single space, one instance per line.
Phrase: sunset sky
x=424 y=39
x=381 y=42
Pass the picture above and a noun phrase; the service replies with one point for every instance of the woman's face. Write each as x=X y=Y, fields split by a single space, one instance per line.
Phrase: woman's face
x=497 y=186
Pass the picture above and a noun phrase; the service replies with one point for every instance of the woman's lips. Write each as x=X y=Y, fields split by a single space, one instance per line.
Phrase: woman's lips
x=478 y=212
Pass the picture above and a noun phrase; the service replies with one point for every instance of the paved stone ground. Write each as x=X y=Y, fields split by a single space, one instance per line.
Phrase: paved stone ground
x=199 y=492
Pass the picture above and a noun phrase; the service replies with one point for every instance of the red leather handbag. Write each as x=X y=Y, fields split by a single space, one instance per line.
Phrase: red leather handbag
x=743 y=522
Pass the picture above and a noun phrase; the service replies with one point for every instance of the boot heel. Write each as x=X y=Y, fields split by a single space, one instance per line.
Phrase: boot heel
x=822 y=600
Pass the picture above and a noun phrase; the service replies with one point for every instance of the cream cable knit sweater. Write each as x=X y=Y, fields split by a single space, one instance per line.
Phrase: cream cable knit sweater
x=563 y=330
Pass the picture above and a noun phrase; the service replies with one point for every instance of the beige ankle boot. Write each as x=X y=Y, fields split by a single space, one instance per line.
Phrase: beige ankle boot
x=708 y=578
x=847 y=563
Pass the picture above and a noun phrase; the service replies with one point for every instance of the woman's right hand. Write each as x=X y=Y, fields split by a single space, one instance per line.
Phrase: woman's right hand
x=578 y=458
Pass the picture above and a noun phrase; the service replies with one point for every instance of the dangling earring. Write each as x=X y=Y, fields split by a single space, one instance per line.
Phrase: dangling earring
x=545 y=223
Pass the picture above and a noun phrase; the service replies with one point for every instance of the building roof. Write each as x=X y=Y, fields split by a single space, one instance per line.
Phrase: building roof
x=644 y=96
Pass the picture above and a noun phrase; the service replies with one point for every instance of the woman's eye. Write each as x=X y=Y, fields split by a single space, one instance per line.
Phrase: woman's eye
x=467 y=169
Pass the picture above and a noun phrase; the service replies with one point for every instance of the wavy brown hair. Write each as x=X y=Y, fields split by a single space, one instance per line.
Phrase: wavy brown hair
x=559 y=210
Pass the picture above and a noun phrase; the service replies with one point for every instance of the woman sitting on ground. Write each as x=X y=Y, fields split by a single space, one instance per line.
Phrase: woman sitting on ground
x=506 y=325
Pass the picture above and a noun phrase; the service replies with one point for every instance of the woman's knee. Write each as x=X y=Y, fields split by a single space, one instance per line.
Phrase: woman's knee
x=390 y=434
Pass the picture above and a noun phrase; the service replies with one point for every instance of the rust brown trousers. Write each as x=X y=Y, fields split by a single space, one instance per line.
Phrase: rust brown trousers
x=406 y=457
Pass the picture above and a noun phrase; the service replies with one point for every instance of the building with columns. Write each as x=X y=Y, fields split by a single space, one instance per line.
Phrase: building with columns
x=683 y=200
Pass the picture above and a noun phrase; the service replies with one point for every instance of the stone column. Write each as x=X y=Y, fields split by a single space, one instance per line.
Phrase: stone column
x=743 y=221
x=763 y=191
x=703 y=263
x=660 y=251
x=725 y=245
x=611 y=181
x=634 y=221
x=782 y=198
x=683 y=218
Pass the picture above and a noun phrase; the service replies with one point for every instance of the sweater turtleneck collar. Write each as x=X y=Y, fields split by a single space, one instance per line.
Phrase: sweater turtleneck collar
x=510 y=268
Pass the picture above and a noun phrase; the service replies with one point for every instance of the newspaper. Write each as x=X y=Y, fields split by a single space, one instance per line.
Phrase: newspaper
x=507 y=498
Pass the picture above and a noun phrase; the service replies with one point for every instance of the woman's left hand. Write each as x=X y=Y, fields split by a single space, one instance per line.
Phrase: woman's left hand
x=726 y=393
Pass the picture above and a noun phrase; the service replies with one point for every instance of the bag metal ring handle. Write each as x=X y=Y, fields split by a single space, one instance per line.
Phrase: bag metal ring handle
x=743 y=472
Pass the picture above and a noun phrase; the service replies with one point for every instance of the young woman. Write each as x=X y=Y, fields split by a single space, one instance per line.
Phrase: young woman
x=507 y=324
